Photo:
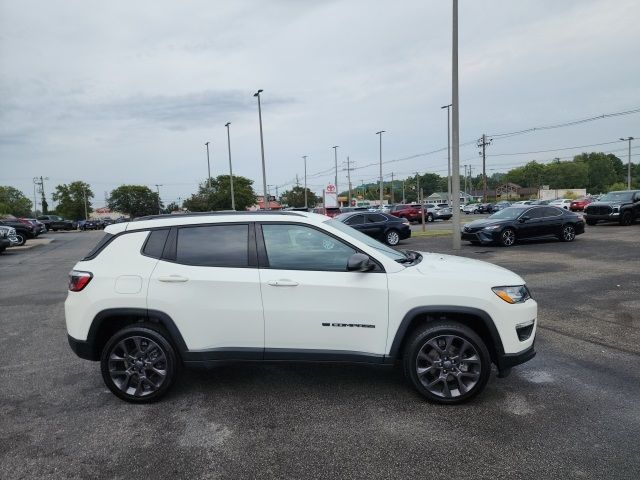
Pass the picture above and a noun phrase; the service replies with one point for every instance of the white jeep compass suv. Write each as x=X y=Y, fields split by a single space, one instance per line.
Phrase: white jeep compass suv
x=200 y=289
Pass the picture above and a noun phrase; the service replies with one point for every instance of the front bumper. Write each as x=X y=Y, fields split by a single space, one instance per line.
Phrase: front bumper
x=612 y=217
x=482 y=236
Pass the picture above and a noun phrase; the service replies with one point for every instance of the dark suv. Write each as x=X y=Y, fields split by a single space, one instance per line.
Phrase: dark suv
x=621 y=206
x=54 y=222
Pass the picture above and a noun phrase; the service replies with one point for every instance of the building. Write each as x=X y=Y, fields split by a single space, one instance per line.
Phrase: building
x=273 y=205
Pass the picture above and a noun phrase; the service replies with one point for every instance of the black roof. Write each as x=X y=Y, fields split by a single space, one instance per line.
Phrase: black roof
x=221 y=212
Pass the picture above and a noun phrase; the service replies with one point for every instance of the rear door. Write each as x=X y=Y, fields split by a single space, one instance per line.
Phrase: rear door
x=208 y=283
x=374 y=224
x=553 y=220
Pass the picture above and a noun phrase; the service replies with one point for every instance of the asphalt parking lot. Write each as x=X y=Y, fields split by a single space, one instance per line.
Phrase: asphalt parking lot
x=571 y=412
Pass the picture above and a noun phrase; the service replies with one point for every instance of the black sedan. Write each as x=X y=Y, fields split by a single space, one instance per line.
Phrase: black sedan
x=381 y=226
x=524 y=222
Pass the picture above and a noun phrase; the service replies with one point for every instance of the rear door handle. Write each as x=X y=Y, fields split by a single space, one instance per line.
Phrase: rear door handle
x=282 y=283
x=173 y=279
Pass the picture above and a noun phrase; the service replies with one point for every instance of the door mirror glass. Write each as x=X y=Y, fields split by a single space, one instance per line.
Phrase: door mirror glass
x=360 y=262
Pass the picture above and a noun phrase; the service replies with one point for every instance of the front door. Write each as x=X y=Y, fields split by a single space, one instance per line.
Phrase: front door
x=209 y=285
x=313 y=307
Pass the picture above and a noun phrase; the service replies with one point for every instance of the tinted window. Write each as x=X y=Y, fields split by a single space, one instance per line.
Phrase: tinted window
x=552 y=212
x=214 y=246
x=155 y=243
x=375 y=218
x=535 y=213
x=98 y=248
x=355 y=220
x=296 y=247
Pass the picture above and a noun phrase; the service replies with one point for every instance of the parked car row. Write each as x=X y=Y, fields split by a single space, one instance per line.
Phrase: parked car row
x=23 y=229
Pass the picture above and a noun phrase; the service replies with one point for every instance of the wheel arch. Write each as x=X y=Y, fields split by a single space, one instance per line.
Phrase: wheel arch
x=478 y=320
x=109 y=321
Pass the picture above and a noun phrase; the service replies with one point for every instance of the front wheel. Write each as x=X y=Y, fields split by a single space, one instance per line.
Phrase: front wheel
x=21 y=239
x=392 y=238
x=430 y=217
x=447 y=362
x=568 y=233
x=626 y=219
x=507 y=237
x=139 y=364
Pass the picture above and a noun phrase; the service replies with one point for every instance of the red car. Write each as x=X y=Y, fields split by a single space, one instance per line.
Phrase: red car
x=578 y=205
x=410 y=212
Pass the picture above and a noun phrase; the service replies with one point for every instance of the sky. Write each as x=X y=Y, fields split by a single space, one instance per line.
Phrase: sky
x=125 y=92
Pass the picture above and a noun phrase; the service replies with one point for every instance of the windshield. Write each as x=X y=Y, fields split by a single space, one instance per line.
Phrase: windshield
x=617 y=197
x=507 y=214
x=352 y=232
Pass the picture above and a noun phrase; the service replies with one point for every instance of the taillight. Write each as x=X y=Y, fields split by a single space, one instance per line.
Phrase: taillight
x=78 y=280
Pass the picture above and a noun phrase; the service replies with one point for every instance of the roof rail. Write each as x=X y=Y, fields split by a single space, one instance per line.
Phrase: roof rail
x=219 y=212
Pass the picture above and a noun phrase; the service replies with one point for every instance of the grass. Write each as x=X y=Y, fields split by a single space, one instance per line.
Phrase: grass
x=432 y=233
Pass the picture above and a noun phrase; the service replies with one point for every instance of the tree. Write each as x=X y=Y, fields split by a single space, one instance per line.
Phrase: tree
x=218 y=196
x=134 y=200
x=601 y=170
x=13 y=201
x=71 y=200
x=172 y=207
x=295 y=197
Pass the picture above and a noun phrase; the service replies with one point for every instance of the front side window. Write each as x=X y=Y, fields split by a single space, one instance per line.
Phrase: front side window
x=355 y=220
x=214 y=246
x=298 y=247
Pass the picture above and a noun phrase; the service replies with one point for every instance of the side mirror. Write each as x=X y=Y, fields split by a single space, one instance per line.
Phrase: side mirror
x=523 y=219
x=360 y=262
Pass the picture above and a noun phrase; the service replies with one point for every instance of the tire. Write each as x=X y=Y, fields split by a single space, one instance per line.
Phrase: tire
x=152 y=350
x=431 y=362
x=21 y=239
x=429 y=217
x=568 y=233
x=591 y=222
x=392 y=238
x=626 y=219
x=507 y=237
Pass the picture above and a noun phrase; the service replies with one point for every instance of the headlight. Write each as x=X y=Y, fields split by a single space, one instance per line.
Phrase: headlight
x=512 y=294
x=492 y=227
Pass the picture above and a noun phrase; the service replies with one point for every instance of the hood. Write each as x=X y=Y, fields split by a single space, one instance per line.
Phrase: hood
x=462 y=268
x=485 y=222
x=607 y=204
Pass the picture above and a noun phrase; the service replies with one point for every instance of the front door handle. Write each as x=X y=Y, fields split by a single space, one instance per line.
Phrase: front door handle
x=173 y=279
x=282 y=283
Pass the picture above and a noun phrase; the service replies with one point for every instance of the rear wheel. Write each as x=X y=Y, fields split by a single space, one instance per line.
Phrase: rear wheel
x=447 y=362
x=392 y=237
x=139 y=364
x=568 y=233
x=430 y=217
x=626 y=219
x=507 y=237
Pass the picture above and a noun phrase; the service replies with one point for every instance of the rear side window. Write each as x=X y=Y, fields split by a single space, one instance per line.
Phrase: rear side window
x=376 y=218
x=98 y=248
x=155 y=243
x=214 y=246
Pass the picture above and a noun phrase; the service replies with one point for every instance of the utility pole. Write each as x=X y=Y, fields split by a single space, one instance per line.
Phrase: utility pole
x=465 y=183
x=392 y=187
x=335 y=158
x=381 y=179
x=628 y=139
x=36 y=182
x=306 y=204
x=45 y=207
x=482 y=143
x=158 y=189
x=208 y=166
x=455 y=134
x=266 y=203
x=403 y=196
x=297 y=181
x=233 y=197
x=349 y=181
x=448 y=153
x=86 y=210
x=420 y=200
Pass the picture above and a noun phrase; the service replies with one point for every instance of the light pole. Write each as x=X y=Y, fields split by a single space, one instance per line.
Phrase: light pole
x=306 y=205
x=208 y=166
x=266 y=203
x=448 y=154
x=335 y=157
x=455 y=133
x=233 y=197
x=381 y=180
x=628 y=139
x=158 y=190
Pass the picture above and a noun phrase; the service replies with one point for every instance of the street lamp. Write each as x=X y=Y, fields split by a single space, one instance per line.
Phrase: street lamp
x=448 y=154
x=233 y=197
x=158 y=190
x=266 y=203
x=306 y=205
x=628 y=139
x=335 y=156
x=208 y=166
x=381 y=180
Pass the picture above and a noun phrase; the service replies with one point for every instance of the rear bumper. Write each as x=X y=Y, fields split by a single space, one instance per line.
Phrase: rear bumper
x=82 y=348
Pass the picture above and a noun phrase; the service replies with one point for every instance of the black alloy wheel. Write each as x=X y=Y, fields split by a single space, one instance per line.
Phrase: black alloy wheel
x=447 y=362
x=568 y=233
x=21 y=239
x=139 y=364
x=392 y=237
x=507 y=237
x=626 y=219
